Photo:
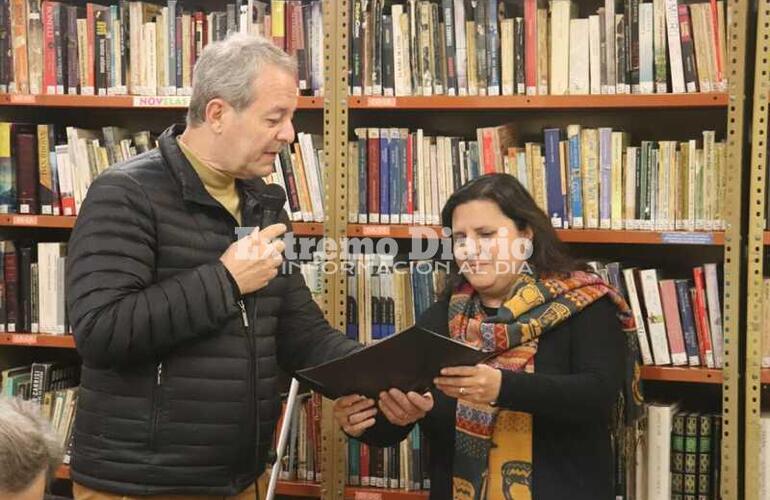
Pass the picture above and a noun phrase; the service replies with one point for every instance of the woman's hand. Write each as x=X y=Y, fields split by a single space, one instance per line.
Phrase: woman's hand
x=403 y=409
x=354 y=414
x=476 y=384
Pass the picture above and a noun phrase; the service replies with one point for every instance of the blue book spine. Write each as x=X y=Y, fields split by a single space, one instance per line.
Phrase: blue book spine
x=576 y=183
x=362 y=179
x=384 y=176
x=556 y=209
x=688 y=322
x=403 y=155
x=394 y=158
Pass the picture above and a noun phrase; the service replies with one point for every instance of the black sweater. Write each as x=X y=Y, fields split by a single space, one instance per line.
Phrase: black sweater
x=579 y=370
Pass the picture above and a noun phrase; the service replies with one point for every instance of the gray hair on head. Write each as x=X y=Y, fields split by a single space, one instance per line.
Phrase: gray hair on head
x=28 y=446
x=227 y=69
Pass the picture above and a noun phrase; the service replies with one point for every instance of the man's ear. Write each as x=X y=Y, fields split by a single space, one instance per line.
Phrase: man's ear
x=215 y=111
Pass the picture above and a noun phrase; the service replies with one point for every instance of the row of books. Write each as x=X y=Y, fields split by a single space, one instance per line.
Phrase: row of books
x=581 y=177
x=301 y=459
x=491 y=47
x=47 y=169
x=32 y=291
x=384 y=298
x=403 y=466
x=300 y=169
x=677 y=456
x=142 y=48
x=54 y=387
x=678 y=321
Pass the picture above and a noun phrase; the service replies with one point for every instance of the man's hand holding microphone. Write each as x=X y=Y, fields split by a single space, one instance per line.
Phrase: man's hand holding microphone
x=255 y=259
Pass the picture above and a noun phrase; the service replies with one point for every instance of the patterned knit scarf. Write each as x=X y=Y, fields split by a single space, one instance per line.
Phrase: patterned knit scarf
x=535 y=307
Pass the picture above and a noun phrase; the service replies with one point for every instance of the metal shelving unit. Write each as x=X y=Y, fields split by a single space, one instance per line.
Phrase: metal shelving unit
x=756 y=254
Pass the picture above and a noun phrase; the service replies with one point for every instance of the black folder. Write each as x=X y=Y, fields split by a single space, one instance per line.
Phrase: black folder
x=408 y=361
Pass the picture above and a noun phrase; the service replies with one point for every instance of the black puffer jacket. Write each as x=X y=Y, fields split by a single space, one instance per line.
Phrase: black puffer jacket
x=178 y=388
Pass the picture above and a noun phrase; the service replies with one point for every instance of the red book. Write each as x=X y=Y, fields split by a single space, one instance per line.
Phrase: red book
x=11 y=279
x=49 y=49
x=91 y=30
x=701 y=317
x=720 y=64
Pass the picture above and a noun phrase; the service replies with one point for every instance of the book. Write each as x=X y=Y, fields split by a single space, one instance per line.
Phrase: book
x=407 y=361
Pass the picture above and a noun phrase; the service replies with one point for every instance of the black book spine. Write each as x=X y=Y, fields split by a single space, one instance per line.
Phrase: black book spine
x=25 y=288
x=388 y=76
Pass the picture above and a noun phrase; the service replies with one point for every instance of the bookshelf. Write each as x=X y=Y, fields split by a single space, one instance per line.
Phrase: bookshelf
x=339 y=112
x=119 y=102
x=65 y=222
x=37 y=340
x=757 y=395
x=561 y=102
x=707 y=238
x=446 y=115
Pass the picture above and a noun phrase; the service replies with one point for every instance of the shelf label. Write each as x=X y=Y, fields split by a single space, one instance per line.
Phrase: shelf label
x=382 y=102
x=687 y=238
x=367 y=495
x=25 y=339
x=161 y=101
x=375 y=230
x=22 y=99
x=24 y=220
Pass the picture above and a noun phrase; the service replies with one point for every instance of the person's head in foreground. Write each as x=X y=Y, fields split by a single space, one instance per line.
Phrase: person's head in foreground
x=498 y=231
x=29 y=450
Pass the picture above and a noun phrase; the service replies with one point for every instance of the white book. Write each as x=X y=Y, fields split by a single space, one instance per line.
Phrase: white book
x=674 y=47
x=659 y=422
x=609 y=46
x=461 y=49
x=559 y=32
x=64 y=172
x=714 y=312
x=595 y=53
x=151 y=59
x=764 y=456
x=641 y=331
x=419 y=209
x=655 y=321
x=646 y=59
x=398 y=50
x=434 y=179
x=691 y=185
x=629 y=176
x=579 y=79
x=506 y=54
x=710 y=186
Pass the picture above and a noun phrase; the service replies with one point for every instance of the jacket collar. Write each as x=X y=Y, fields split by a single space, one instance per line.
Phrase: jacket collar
x=191 y=185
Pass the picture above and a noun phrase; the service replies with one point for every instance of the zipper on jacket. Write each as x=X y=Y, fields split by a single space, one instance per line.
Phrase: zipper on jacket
x=156 y=393
x=253 y=414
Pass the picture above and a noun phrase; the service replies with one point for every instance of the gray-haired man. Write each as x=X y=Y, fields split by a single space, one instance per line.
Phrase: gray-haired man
x=181 y=331
x=29 y=450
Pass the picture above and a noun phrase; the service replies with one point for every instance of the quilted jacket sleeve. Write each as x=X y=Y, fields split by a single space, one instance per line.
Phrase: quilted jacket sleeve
x=119 y=313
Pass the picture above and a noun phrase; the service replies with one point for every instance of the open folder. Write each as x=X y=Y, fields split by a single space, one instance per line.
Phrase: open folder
x=408 y=361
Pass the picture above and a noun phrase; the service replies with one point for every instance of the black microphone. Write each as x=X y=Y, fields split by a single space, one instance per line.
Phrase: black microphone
x=272 y=199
